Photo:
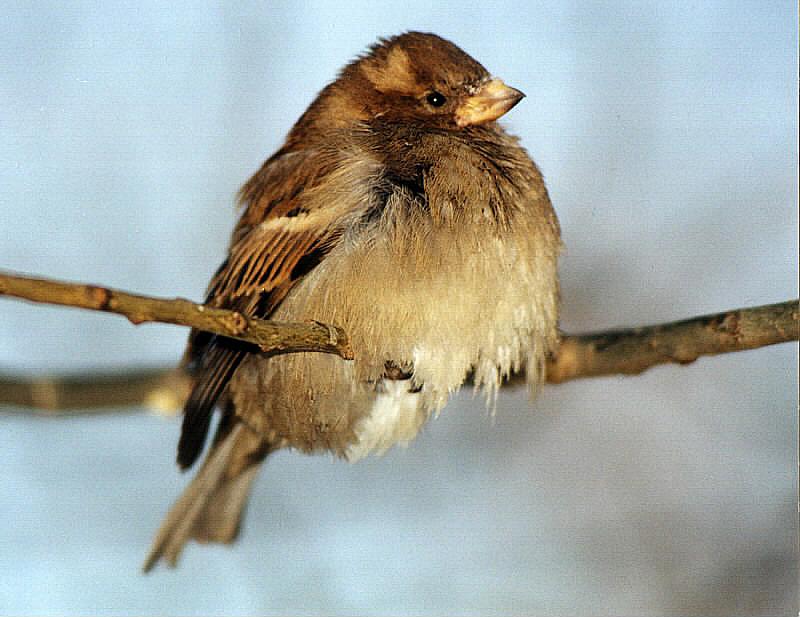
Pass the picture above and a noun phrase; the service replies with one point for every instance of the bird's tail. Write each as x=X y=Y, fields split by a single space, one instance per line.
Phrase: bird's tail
x=211 y=507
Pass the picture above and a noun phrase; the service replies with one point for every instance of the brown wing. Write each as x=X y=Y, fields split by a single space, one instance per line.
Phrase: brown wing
x=284 y=232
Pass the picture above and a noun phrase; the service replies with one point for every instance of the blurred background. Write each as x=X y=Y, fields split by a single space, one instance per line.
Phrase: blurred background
x=667 y=133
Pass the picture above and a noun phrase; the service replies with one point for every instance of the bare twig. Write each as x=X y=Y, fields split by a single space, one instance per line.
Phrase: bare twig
x=628 y=351
x=633 y=350
x=159 y=389
x=272 y=337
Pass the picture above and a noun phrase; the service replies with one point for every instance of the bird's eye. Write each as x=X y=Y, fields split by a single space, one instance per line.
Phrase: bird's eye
x=436 y=99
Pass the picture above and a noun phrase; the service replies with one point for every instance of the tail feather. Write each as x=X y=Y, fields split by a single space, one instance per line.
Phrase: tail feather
x=211 y=507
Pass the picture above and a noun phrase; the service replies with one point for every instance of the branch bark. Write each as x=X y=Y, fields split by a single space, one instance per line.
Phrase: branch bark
x=272 y=337
x=631 y=351
x=626 y=351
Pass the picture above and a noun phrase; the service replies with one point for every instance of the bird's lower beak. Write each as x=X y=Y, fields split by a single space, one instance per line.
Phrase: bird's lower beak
x=491 y=101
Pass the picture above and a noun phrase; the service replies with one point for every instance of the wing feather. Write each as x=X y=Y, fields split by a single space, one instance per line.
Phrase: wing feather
x=285 y=231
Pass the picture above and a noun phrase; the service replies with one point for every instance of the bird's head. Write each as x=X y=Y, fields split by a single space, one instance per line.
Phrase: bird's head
x=414 y=77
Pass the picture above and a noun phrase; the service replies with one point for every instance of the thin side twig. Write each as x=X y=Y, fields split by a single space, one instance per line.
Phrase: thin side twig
x=272 y=337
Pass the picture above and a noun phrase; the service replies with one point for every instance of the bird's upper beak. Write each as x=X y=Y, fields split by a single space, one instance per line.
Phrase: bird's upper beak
x=491 y=101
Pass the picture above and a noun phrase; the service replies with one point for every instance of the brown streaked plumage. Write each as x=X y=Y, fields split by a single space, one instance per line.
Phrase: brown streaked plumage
x=400 y=210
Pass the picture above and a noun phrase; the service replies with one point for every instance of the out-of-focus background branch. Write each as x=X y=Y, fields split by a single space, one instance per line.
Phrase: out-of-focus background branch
x=629 y=351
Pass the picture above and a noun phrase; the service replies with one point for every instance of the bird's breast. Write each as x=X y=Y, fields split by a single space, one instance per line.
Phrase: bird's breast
x=448 y=302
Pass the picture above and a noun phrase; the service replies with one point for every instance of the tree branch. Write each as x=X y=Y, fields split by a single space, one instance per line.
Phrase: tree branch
x=631 y=351
x=627 y=351
x=272 y=337
x=162 y=390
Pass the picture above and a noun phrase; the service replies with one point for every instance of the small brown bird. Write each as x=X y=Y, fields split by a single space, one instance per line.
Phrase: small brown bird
x=401 y=211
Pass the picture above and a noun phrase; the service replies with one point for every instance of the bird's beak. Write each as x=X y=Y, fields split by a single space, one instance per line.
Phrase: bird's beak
x=491 y=101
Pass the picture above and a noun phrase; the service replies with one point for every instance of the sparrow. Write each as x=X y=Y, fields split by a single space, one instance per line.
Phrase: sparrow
x=398 y=209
